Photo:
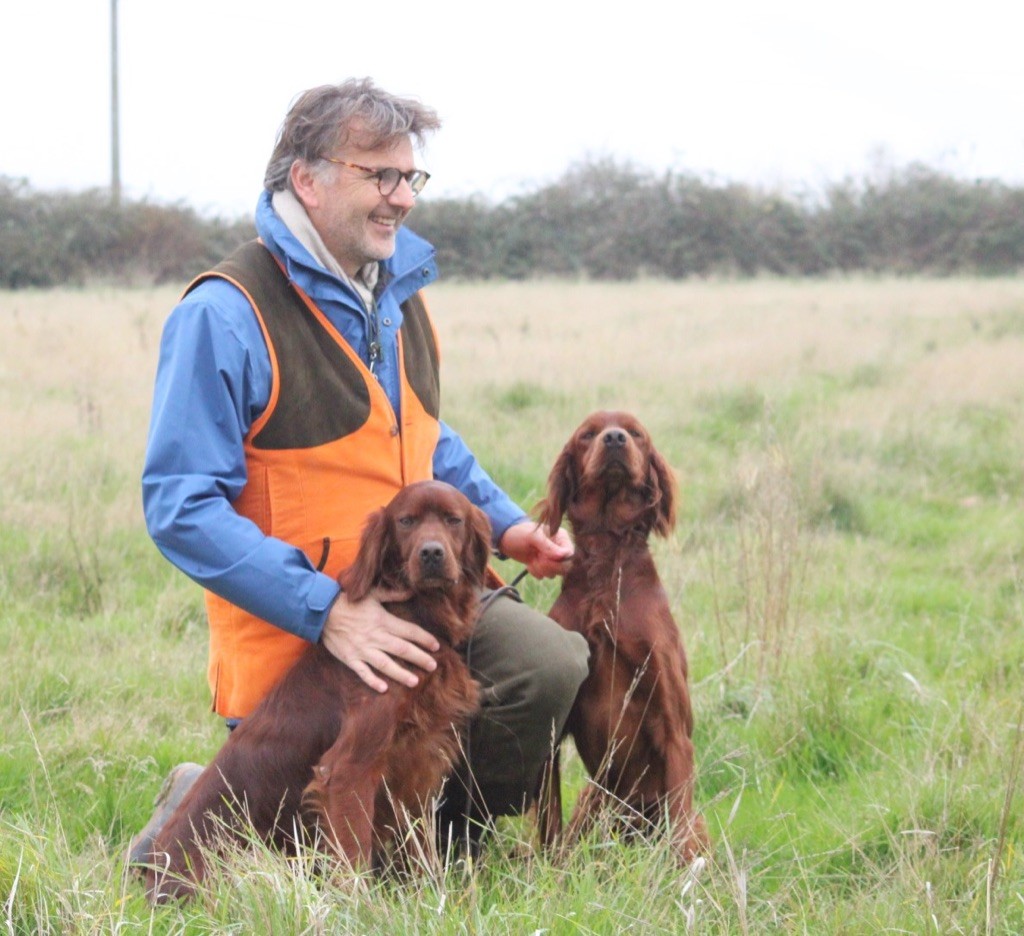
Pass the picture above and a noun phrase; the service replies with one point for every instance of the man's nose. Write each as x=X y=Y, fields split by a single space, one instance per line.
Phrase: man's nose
x=402 y=196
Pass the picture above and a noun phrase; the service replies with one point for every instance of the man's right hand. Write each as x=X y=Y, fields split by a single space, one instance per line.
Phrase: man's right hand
x=370 y=641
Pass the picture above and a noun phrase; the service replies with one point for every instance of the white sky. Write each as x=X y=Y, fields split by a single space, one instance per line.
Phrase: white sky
x=790 y=93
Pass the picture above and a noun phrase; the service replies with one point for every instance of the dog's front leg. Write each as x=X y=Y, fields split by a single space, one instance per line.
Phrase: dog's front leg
x=343 y=793
x=689 y=832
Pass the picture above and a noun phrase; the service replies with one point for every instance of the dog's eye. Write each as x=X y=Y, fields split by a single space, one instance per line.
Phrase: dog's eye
x=453 y=520
x=588 y=435
x=406 y=521
x=635 y=433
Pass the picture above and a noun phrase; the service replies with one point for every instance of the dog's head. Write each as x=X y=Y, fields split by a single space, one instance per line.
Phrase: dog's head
x=429 y=538
x=609 y=467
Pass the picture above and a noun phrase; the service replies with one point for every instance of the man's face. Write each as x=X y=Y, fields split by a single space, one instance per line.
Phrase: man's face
x=356 y=222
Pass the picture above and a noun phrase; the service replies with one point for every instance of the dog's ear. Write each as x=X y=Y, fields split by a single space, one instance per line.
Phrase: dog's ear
x=368 y=569
x=476 y=552
x=662 y=482
x=562 y=484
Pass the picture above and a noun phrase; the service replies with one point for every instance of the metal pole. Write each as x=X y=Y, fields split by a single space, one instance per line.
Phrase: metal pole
x=115 y=128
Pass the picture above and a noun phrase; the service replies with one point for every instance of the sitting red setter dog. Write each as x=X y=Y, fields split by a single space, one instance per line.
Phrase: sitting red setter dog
x=632 y=720
x=325 y=753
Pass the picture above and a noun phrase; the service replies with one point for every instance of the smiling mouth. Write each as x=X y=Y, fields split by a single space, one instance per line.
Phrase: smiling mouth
x=391 y=223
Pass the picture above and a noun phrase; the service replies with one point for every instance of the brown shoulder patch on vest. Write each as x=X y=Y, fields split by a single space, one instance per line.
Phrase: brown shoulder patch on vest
x=322 y=396
x=419 y=351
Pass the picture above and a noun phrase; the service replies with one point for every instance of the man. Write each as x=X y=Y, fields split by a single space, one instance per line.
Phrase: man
x=296 y=392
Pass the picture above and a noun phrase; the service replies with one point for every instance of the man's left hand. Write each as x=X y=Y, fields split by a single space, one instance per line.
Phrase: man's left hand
x=544 y=556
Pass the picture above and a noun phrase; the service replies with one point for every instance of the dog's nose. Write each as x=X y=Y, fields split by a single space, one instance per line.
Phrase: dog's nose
x=432 y=557
x=615 y=438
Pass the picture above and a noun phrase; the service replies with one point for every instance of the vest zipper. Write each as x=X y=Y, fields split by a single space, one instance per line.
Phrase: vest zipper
x=376 y=352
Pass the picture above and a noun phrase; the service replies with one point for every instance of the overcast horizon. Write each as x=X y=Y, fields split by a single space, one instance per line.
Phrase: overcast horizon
x=791 y=97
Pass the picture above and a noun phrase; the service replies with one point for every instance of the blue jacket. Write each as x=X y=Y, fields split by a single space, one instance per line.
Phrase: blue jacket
x=214 y=379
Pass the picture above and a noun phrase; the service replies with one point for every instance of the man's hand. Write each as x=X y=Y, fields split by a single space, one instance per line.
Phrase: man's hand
x=370 y=642
x=544 y=556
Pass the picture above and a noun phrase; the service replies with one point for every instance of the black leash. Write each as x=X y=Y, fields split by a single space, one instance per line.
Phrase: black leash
x=496 y=593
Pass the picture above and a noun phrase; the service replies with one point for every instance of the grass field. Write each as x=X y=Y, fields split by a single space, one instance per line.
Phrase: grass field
x=847 y=572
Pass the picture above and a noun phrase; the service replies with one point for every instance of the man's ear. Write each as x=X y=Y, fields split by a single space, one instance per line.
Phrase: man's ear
x=304 y=182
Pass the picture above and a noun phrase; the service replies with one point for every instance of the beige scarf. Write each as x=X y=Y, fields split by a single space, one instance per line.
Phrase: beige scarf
x=293 y=213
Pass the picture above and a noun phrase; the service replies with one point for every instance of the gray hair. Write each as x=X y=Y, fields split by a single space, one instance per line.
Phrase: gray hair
x=321 y=119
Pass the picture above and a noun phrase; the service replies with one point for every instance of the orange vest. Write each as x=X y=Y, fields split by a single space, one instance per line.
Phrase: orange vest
x=325 y=453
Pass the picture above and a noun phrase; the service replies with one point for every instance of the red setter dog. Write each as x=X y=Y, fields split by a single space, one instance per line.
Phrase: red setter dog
x=632 y=720
x=325 y=754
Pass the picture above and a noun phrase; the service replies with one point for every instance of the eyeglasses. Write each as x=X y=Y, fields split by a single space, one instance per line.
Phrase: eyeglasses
x=388 y=179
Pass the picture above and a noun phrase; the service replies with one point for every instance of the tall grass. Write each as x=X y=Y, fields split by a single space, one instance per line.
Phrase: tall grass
x=847 y=573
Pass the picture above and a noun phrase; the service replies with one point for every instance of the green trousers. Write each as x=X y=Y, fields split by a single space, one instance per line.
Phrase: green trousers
x=529 y=670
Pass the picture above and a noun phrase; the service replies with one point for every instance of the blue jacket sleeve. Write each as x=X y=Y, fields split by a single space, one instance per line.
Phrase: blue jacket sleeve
x=213 y=378
x=456 y=464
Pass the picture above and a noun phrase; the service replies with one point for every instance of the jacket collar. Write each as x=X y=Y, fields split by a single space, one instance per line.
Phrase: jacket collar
x=409 y=269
